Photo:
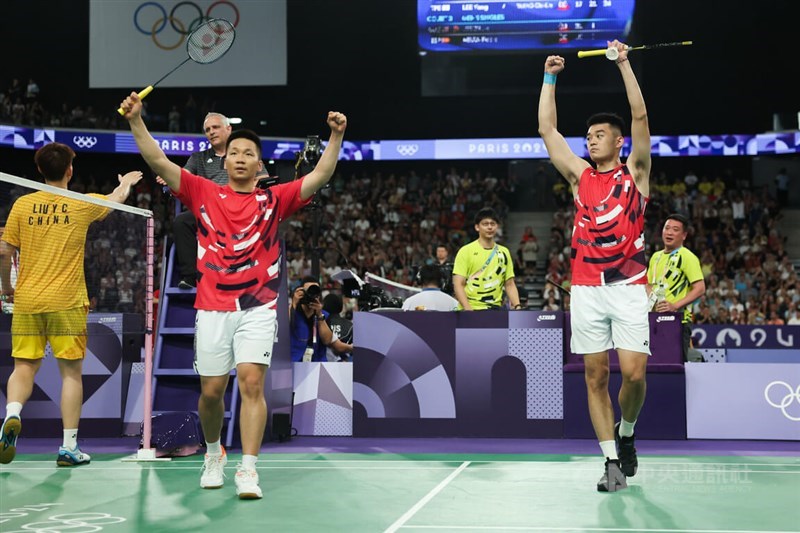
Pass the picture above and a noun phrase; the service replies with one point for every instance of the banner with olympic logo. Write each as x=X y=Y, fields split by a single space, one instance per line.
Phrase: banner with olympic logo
x=132 y=42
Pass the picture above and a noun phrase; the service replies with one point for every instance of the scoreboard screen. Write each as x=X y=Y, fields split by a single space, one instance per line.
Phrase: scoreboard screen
x=534 y=25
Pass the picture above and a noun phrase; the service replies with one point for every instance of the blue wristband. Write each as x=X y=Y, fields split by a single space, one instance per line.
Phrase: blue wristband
x=549 y=79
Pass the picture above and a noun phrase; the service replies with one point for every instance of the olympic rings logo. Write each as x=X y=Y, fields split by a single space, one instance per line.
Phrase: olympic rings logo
x=73 y=522
x=407 y=150
x=787 y=400
x=141 y=20
x=84 y=142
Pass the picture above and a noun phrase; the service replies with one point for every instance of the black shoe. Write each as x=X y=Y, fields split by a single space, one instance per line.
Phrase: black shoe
x=613 y=479
x=187 y=283
x=629 y=463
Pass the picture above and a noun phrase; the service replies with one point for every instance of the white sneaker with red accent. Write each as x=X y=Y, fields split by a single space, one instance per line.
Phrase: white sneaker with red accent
x=247 y=484
x=213 y=476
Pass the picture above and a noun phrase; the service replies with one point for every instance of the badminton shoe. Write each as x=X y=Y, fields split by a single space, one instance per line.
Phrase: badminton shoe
x=8 y=439
x=74 y=457
x=629 y=463
x=247 y=484
x=613 y=479
x=213 y=476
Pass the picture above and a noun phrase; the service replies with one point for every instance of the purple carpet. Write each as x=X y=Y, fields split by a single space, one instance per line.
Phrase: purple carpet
x=302 y=444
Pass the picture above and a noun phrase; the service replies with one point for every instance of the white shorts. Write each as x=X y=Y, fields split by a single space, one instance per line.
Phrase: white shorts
x=223 y=339
x=609 y=316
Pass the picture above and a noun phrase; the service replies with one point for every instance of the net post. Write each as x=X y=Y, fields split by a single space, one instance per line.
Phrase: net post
x=147 y=422
x=146 y=452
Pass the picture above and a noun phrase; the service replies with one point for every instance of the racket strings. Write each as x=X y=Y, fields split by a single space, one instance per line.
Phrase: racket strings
x=210 y=41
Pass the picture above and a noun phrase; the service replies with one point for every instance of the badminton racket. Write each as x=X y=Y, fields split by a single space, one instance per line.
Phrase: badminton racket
x=207 y=43
x=553 y=282
x=613 y=53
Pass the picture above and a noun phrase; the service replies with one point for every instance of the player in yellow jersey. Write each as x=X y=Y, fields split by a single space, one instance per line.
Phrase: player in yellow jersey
x=674 y=277
x=50 y=299
x=484 y=269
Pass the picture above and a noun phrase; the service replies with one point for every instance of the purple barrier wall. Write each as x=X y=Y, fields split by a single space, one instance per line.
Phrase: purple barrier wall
x=730 y=336
x=102 y=411
x=743 y=401
x=481 y=374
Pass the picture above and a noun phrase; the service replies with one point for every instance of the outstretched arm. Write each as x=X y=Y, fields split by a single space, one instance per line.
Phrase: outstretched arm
x=152 y=153
x=566 y=162
x=126 y=183
x=639 y=162
x=317 y=178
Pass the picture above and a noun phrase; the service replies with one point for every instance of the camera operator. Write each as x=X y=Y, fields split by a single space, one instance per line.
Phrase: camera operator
x=432 y=298
x=310 y=332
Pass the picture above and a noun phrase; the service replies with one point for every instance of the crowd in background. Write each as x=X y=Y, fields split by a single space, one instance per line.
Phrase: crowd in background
x=389 y=223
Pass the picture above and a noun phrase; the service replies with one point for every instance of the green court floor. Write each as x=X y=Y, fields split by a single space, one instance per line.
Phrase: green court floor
x=393 y=492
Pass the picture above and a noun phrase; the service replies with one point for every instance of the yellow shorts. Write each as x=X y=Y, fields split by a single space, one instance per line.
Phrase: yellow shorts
x=65 y=330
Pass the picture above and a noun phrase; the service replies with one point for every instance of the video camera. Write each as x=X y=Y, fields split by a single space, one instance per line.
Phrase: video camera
x=368 y=296
x=312 y=150
x=446 y=273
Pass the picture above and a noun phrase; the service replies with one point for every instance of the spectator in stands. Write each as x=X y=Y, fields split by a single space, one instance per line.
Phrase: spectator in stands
x=674 y=276
x=237 y=294
x=484 y=269
x=340 y=326
x=442 y=260
x=209 y=163
x=309 y=328
x=431 y=298
x=608 y=282
x=50 y=298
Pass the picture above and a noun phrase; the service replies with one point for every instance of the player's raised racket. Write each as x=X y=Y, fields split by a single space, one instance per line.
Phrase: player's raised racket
x=207 y=43
x=612 y=53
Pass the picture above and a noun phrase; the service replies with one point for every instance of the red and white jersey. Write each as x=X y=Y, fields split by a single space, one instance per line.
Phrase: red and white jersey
x=238 y=251
x=608 y=237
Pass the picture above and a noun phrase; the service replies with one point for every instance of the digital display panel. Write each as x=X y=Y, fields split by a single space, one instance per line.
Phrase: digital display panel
x=537 y=25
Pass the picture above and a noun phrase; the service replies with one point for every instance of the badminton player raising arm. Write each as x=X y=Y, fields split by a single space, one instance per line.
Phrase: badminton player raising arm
x=239 y=268
x=609 y=299
x=50 y=299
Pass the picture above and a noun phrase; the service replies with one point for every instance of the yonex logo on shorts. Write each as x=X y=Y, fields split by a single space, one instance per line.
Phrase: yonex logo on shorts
x=670 y=318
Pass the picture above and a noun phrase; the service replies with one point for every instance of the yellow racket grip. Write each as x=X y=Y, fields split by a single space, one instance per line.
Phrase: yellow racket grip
x=144 y=92
x=592 y=53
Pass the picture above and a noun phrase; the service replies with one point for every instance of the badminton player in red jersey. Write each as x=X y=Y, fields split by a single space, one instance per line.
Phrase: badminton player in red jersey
x=238 y=262
x=609 y=299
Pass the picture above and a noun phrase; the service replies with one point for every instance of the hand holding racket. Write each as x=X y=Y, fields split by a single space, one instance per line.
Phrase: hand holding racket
x=207 y=43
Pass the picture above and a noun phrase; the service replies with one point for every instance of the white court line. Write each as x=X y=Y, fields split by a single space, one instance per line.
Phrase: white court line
x=428 y=497
x=601 y=529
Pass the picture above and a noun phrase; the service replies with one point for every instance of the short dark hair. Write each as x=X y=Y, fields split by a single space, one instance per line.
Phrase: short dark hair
x=680 y=218
x=309 y=279
x=430 y=274
x=484 y=213
x=616 y=121
x=245 y=134
x=53 y=160
x=332 y=303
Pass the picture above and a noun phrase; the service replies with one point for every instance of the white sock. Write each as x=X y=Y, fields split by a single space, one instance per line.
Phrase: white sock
x=609 y=448
x=626 y=428
x=249 y=462
x=71 y=438
x=214 y=448
x=13 y=409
